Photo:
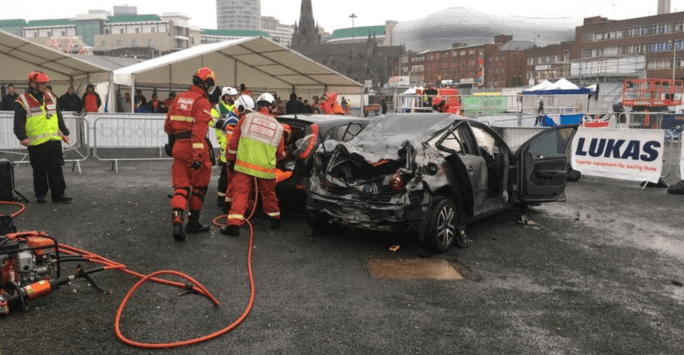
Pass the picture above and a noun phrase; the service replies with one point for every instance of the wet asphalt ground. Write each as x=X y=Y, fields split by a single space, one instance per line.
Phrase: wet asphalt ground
x=599 y=274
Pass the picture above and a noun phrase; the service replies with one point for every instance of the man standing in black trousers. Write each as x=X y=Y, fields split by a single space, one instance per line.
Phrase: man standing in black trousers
x=39 y=126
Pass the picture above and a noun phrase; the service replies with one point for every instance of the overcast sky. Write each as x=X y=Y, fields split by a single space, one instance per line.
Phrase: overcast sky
x=332 y=15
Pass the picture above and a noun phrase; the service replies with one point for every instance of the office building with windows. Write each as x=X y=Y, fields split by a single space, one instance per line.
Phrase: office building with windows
x=238 y=14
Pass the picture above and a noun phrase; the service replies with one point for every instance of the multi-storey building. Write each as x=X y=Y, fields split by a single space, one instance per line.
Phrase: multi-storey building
x=278 y=32
x=491 y=65
x=238 y=14
x=649 y=47
x=548 y=63
x=15 y=27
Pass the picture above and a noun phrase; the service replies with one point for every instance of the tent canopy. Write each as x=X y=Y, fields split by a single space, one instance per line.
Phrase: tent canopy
x=562 y=84
x=19 y=57
x=560 y=87
x=257 y=62
x=541 y=86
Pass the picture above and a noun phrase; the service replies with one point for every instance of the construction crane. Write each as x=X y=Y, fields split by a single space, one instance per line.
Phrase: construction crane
x=66 y=44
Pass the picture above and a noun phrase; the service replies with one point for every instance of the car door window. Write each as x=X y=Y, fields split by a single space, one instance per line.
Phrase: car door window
x=347 y=132
x=485 y=140
x=551 y=143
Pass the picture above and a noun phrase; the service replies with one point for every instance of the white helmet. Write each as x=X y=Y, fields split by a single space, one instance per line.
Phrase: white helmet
x=244 y=103
x=265 y=99
x=227 y=90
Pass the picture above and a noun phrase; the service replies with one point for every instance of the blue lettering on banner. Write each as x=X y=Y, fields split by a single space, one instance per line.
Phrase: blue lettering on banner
x=610 y=148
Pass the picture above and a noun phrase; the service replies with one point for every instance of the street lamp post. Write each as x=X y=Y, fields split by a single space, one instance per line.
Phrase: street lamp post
x=353 y=16
x=674 y=59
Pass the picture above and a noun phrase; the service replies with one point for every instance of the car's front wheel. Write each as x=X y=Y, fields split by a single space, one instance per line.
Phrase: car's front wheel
x=442 y=225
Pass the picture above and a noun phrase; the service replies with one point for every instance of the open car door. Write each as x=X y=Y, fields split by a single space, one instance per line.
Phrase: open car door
x=542 y=164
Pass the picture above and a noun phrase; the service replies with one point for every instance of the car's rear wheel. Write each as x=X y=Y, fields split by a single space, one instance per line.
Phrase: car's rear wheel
x=442 y=226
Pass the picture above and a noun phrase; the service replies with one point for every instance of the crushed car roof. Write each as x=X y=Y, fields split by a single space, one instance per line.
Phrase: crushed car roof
x=386 y=135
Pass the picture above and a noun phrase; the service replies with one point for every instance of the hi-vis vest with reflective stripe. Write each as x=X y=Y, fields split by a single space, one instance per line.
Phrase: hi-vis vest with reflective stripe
x=42 y=124
x=260 y=136
x=220 y=136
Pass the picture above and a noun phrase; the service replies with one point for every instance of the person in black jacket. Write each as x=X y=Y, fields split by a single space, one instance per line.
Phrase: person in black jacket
x=8 y=100
x=293 y=106
x=70 y=101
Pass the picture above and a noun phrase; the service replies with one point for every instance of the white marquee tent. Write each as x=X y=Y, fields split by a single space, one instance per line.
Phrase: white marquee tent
x=261 y=64
x=19 y=57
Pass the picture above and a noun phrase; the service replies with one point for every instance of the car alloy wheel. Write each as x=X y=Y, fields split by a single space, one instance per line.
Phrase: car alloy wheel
x=446 y=226
x=441 y=229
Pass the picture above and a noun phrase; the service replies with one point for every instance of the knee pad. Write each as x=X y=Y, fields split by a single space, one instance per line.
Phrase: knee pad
x=180 y=198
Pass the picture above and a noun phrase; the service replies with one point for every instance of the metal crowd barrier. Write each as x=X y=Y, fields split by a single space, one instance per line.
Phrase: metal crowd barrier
x=74 y=152
x=130 y=136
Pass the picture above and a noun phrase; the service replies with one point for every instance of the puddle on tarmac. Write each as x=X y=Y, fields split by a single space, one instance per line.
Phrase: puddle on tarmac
x=412 y=269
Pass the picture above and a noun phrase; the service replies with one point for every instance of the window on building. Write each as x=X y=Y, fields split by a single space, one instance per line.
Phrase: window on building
x=588 y=38
x=153 y=29
x=586 y=53
x=530 y=61
x=104 y=44
x=118 y=43
x=133 y=43
x=106 y=31
x=121 y=31
x=544 y=60
x=661 y=29
x=598 y=36
x=627 y=33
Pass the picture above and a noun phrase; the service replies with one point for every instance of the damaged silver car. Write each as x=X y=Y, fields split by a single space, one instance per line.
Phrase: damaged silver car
x=431 y=174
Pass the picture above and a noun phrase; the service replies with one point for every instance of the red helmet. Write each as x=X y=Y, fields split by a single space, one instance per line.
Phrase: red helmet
x=206 y=75
x=38 y=77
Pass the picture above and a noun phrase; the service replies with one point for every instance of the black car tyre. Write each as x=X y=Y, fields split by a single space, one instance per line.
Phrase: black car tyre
x=441 y=230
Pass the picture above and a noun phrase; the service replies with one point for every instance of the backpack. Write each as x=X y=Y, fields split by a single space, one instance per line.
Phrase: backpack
x=7 y=183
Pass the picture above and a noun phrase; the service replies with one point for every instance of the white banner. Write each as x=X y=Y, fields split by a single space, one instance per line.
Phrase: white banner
x=681 y=158
x=626 y=154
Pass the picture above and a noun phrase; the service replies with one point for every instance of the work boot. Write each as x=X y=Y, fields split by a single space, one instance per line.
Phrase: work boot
x=275 y=223
x=61 y=199
x=194 y=226
x=231 y=230
x=177 y=221
x=226 y=207
x=40 y=199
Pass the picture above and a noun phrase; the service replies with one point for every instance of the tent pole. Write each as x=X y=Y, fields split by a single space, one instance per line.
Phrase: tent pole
x=170 y=78
x=132 y=93
x=235 y=85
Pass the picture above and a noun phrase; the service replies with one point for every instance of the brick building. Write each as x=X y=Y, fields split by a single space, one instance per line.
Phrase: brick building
x=548 y=63
x=642 y=47
x=491 y=65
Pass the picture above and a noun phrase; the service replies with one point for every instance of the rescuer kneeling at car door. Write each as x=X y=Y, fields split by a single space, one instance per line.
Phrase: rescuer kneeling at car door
x=253 y=150
x=188 y=121
x=39 y=125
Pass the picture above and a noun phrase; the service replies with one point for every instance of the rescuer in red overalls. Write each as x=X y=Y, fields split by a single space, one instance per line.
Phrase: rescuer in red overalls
x=188 y=120
x=257 y=143
x=439 y=104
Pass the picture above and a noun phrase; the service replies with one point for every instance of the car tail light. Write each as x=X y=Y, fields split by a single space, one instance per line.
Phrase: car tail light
x=396 y=183
x=312 y=142
x=302 y=187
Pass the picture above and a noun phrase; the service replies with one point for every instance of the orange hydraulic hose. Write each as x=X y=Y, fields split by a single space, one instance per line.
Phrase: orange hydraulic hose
x=203 y=291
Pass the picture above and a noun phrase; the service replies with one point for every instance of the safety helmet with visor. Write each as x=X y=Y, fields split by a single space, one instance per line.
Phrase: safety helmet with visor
x=266 y=99
x=244 y=104
x=205 y=78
